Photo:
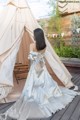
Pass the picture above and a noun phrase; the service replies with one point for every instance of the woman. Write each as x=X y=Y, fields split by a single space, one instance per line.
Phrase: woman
x=41 y=94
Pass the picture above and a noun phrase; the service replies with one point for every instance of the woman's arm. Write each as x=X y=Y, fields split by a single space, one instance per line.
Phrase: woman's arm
x=31 y=55
x=31 y=47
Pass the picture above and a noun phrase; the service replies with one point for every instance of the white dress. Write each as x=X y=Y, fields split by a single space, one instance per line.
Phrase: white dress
x=41 y=95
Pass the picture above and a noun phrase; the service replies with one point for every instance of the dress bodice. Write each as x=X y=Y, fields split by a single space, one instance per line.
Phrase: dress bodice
x=35 y=56
x=37 y=61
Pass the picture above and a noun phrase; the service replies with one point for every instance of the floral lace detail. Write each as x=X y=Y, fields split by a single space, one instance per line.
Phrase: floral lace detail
x=38 y=59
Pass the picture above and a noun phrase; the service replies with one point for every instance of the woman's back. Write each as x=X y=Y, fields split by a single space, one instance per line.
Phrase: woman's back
x=34 y=49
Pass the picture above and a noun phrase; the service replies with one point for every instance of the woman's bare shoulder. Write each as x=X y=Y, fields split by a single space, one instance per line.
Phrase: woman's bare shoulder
x=32 y=46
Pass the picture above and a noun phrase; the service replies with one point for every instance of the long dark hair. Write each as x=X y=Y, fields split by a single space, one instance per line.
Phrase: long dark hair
x=40 y=39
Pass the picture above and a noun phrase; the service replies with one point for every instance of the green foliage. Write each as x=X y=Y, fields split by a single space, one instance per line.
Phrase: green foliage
x=54 y=24
x=75 y=24
x=68 y=51
x=52 y=4
x=42 y=23
x=57 y=42
x=55 y=20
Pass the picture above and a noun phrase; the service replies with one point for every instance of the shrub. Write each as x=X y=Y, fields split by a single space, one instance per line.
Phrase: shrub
x=68 y=51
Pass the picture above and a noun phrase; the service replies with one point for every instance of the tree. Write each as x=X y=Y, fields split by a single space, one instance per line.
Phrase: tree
x=54 y=24
x=75 y=28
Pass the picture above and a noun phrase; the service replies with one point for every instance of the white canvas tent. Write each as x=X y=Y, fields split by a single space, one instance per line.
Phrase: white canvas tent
x=16 y=33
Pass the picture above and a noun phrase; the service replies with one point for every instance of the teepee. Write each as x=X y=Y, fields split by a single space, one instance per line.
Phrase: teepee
x=16 y=33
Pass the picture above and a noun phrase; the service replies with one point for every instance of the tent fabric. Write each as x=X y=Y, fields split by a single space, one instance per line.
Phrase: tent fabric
x=17 y=24
x=18 y=3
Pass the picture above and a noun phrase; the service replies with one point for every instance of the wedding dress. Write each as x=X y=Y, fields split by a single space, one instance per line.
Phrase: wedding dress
x=41 y=95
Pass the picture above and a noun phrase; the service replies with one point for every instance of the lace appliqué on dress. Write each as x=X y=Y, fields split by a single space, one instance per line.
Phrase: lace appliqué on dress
x=38 y=59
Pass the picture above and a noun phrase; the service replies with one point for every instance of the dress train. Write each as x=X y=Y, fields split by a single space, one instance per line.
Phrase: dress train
x=41 y=95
